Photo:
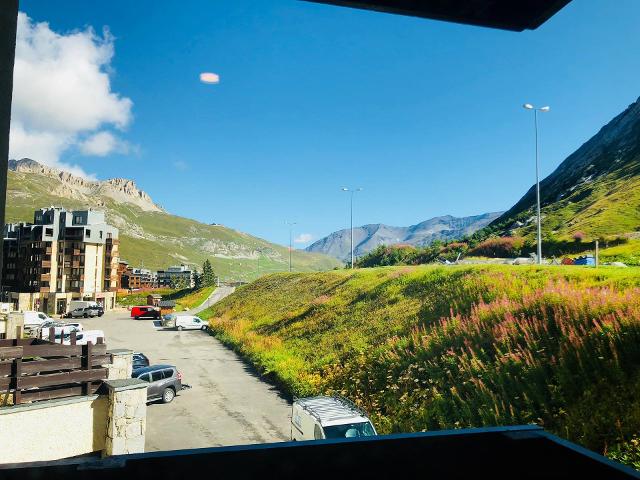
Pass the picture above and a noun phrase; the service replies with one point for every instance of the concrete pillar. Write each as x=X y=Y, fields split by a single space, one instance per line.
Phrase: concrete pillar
x=122 y=365
x=127 y=416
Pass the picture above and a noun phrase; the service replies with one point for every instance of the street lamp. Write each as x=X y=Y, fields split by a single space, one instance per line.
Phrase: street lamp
x=528 y=106
x=291 y=224
x=352 y=191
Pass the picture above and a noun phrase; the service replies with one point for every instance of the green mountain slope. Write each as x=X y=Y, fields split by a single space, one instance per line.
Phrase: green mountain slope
x=150 y=236
x=596 y=190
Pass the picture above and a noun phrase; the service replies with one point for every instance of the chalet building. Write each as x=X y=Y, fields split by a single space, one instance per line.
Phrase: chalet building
x=61 y=256
x=169 y=277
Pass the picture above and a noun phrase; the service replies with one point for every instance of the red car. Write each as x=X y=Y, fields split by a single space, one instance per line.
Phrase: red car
x=145 y=311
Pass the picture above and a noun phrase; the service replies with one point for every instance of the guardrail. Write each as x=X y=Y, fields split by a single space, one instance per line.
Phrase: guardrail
x=33 y=369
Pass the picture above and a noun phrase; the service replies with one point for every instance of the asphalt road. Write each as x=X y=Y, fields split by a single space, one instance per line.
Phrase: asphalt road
x=227 y=404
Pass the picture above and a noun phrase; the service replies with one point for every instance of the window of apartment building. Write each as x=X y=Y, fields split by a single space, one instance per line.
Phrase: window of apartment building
x=77 y=219
x=48 y=232
x=88 y=233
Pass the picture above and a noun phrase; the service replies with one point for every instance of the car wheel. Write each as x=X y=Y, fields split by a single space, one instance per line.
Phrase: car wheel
x=137 y=318
x=203 y=328
x=180 y=328
x=86 y=315
x=168 y=395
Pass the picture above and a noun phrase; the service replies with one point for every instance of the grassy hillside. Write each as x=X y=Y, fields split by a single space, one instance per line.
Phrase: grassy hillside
x=594 y=191
x=444 y=347
x=606 y=207
x=158 y=239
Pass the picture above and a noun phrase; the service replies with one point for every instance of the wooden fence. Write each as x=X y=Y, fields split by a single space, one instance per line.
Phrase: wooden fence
x=33 y=369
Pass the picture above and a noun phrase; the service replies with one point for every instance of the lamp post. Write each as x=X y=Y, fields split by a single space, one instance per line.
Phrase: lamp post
x=528 y=106
x=291 y=224
x=352 y=191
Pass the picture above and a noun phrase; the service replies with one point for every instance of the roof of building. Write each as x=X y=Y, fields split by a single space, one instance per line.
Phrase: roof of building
x=167 y=303
x=505 y=14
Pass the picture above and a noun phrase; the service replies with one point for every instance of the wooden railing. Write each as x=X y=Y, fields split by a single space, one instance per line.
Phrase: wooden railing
x=33 y=369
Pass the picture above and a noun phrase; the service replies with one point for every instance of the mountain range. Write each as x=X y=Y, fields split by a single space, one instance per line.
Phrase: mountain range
x=368 y=237
x=149 y=235
x=595 y=191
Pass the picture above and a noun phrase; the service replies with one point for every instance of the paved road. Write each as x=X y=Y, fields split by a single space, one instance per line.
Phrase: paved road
x=228 y=404
x=217 y=295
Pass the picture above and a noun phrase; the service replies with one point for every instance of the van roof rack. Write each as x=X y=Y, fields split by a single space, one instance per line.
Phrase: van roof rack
x=330 y=408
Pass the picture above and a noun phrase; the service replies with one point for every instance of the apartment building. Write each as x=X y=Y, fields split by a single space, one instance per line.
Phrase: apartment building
x=137 y=278
x=61 y=256
x=176 y=274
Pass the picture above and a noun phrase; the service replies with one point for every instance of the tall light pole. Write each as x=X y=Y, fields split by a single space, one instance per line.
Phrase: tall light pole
x=528 y=106
x=291 y=224
x=352 y=192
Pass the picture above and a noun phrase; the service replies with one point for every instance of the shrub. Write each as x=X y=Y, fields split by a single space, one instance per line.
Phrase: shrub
x=499 y=247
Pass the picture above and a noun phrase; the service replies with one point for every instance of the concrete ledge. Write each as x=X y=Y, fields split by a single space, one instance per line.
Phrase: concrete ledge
x=125 y=384
x=46 y=404
x=120 y=351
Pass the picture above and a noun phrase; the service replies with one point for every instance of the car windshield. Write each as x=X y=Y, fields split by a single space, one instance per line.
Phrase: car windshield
x=349 y=430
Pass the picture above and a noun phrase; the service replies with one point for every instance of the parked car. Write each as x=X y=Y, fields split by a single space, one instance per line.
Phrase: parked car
x=77 y=326
x=190 y=322
x=86 y=336
x=164 y=381
x=140 y=360
x=145 y=311
x=60 y=329
x=84 y=312
x=35 y=319
x=100 y=310
x=316 y=418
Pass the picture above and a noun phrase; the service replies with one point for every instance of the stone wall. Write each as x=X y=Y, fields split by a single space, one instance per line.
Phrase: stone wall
x=127 y=420
x=121 y=366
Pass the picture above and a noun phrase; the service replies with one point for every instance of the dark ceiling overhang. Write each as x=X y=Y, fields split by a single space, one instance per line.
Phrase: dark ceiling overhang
x=516 y=15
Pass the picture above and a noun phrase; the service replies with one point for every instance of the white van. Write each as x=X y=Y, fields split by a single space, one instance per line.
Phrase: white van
x=35 y=319
x=316 y=418
x=190 y=322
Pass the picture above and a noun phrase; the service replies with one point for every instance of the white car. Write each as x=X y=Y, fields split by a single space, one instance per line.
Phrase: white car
x=60 y=329
x=35 y=319
x=85 y=336
x=190 y=322
x=317 y=418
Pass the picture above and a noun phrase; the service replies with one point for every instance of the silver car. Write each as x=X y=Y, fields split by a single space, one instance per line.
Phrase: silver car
x=164 y=381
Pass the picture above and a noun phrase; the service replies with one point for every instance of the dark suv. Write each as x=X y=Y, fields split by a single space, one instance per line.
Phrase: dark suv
x=164 y=381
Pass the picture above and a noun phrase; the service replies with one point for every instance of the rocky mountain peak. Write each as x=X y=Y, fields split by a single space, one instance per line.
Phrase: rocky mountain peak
x=72 y=186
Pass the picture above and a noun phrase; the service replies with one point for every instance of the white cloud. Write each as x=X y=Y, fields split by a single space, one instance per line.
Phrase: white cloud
x=62 y=94
x=303 y=238
x=103 y=143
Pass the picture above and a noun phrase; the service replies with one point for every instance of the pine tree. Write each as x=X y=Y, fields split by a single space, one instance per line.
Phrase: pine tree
x=197 y=279
x=208 y=276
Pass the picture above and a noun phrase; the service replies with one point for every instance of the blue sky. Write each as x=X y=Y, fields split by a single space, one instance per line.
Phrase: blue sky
x=425 y=116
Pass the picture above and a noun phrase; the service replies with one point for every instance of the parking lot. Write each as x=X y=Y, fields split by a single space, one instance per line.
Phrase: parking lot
x=227 y=404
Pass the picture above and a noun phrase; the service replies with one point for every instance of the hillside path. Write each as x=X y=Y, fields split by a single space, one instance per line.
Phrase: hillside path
x=217 y=295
